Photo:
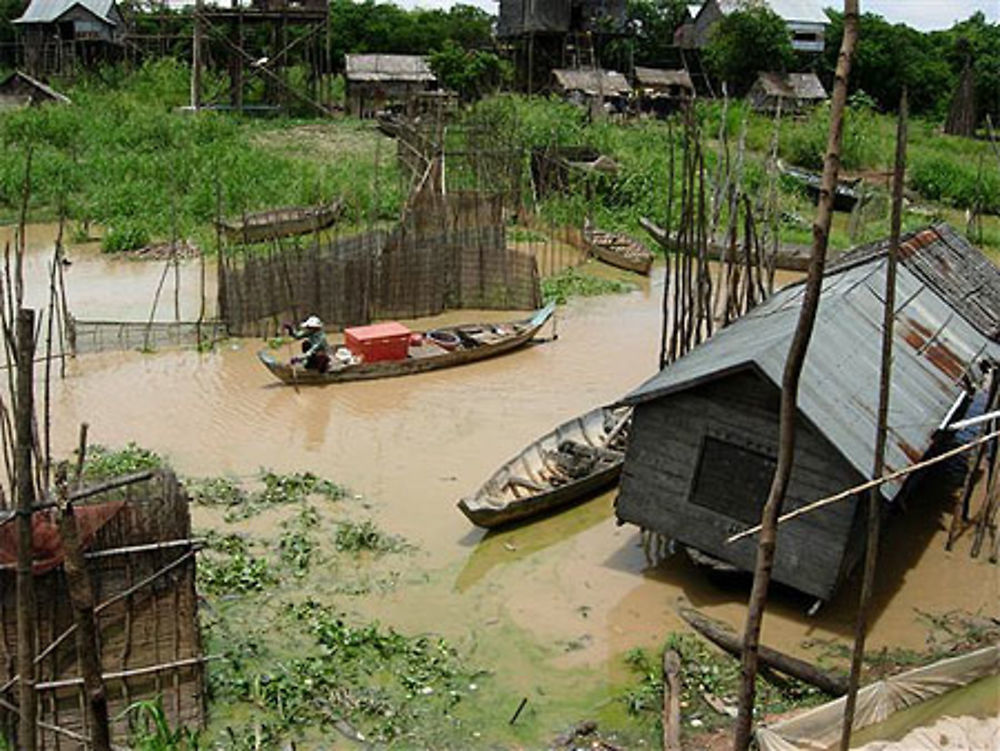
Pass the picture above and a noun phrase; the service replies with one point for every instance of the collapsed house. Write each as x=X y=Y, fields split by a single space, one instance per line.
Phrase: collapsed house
x=794 y=93
x=136 y=534
x=704 y=439
x=379 y=82
x=21 y=90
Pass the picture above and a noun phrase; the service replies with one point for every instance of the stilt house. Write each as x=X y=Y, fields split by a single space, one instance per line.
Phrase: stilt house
x=662 y=91
x=704 y=439
x=375 y=82
x=60 y=35
x=805 y=19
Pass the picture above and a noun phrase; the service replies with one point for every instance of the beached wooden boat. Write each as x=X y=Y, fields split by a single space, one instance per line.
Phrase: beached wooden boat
x=431 y=350
x=565 y=465
x=618 y=249
x=286 y=222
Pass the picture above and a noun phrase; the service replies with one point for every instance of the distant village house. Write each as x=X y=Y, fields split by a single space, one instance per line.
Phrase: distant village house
x=59 y=36
x=805 y=19
x=712 y=415
x=608 y=87
x=378 y=82
x=796 y=92
x=662 y=91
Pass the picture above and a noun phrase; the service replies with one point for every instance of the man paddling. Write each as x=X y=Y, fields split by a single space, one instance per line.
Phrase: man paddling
x=315 y=349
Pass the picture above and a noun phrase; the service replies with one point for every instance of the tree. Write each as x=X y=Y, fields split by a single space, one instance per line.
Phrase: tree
x=890 y=56
x=746 y=41
x=472 y=73
x=653 y=23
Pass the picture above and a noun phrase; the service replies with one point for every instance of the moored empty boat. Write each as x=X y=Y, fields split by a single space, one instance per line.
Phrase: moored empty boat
x=285 y=222
x=618 y=249
x=578 y=458
x=417 y=352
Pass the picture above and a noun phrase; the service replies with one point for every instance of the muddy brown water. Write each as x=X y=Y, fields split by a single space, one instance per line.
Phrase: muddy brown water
x=564 y=596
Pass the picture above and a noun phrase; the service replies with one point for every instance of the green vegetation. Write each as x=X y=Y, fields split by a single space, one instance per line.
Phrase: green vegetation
x=742 y=43
x=150 y=730
x=575 y=283
x=122 y=158
x=472 y=73
x=309 y=670
x=103 y=463
x=273 y=490
x=707 y=677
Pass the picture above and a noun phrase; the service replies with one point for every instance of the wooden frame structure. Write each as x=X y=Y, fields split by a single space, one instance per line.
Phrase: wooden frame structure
x=142 y=565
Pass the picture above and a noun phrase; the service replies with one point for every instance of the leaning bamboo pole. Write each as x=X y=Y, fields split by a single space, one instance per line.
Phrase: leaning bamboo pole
x=875 y=495
x=24 y=484
x=790 y=386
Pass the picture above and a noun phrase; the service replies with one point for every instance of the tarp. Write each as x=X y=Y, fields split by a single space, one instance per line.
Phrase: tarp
x=819 y=729
x=47 y=551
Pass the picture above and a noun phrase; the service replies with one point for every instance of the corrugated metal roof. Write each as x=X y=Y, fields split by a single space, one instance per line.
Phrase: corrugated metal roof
x=608 y=83
x=47 y=11
x=35 y=83
x=412 y=68
x=663 y=77
x=805 y=11
x=952 y=266
x=838 y=391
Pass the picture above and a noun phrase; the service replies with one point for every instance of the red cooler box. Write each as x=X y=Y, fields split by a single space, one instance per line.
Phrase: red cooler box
x=380 y=341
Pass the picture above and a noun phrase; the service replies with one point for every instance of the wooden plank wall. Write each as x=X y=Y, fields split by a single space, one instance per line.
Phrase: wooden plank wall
x=663 y=456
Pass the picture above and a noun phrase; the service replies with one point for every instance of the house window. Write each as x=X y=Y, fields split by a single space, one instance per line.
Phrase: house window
x=805 y=36
x=732 y=480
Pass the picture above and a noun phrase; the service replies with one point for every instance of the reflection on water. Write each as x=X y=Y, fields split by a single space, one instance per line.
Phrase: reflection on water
x=413 y=446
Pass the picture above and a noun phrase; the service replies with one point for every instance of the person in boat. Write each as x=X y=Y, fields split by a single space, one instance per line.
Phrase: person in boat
x=315 y=348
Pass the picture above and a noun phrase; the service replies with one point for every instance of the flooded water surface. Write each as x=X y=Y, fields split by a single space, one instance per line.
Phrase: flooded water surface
x=549 y=605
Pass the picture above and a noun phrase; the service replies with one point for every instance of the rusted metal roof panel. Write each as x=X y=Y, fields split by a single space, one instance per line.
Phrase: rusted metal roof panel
x=952 y=266
x=933 y=349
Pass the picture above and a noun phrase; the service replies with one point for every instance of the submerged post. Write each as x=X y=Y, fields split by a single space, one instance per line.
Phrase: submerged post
x=875 y=495
x=25 y=491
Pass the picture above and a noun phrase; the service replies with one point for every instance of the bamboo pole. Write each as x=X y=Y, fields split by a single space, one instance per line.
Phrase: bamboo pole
x=885 y=377
x=81 y=594
x=27 y=700
x=790 y=386
x=831 y=499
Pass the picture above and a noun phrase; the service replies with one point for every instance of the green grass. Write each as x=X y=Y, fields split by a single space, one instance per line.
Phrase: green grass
x=123 y=158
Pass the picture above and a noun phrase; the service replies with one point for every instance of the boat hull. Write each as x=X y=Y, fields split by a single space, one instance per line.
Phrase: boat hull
x=619 y=250
x=297 y=376
x=270 y=225
x=497 y=503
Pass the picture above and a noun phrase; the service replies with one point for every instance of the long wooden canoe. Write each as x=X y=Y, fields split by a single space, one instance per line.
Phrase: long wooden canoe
x=473 y=341
x=846 y=194
x=562 y=467
x=285 y=222
x=618 y=249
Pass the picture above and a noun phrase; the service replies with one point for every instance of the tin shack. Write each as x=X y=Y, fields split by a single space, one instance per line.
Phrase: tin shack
x=704 y=438
x=378 y=82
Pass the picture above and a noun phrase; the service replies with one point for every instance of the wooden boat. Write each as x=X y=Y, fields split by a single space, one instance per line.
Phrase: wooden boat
x=440 y=348
x=286 y=222
x=618 y=249
x=565 y=465
x=845 y=195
